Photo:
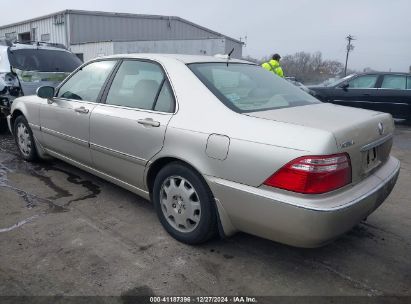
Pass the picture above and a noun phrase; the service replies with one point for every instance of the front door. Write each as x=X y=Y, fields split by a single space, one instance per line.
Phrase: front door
x=128 y=129
x=360 y=93
x=65 y=119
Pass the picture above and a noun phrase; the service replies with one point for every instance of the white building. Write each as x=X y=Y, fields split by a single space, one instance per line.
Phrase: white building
x=93 y=34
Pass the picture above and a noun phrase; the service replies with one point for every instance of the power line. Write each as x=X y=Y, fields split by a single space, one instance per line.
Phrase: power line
x=350 y=47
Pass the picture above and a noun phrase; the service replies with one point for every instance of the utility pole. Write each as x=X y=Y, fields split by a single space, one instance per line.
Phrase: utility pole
x=350 y=47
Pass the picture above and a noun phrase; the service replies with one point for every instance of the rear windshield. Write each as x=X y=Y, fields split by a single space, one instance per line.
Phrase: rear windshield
x=249 y=88
x=43 y=60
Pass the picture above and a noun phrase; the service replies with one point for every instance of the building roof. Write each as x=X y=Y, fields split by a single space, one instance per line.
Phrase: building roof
x=124 y=15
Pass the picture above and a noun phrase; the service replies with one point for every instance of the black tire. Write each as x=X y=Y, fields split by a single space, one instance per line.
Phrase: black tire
x=30 y=153
x=3 y=124
x=206 y=226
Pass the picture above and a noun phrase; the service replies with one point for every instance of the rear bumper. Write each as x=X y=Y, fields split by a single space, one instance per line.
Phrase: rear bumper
x=301 y=220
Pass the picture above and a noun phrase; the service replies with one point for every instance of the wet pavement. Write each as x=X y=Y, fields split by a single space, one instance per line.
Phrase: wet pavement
x=66 y=232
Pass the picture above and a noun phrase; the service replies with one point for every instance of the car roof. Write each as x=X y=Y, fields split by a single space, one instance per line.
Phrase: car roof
x=381 y=73
x=180 y=57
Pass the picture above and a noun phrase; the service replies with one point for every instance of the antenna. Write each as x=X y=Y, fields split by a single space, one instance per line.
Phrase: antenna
x=229 y=55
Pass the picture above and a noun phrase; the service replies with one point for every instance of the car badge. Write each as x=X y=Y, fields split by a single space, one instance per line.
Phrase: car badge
x=347 y=144
x=380 y=128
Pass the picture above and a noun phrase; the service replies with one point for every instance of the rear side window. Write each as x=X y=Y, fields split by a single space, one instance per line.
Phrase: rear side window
x=86 y=83
x=165 y=101
x=43 y=60
x=141 y=85
x=363 y=82
x=394 y=82
x=409 y=83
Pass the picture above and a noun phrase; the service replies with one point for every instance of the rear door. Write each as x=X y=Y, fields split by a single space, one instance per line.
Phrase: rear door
x=394 y=97
x=361 y=92
x=65 y=120
x=128 y=129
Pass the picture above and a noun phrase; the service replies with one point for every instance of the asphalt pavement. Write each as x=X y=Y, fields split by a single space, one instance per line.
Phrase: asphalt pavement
x=66 y=232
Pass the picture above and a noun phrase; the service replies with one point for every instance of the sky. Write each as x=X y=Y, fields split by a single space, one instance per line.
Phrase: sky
x=382 y=28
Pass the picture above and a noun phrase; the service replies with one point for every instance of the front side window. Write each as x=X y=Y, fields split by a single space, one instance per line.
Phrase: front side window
x=249 y=88
x=394 y=82
x=141 y=85
x=363 y=82
x=409 y=83
x=87 y=82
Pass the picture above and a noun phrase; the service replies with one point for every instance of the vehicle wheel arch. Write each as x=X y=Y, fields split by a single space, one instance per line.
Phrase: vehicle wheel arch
x=160 y=163
x=16 y=113
x=224 y=225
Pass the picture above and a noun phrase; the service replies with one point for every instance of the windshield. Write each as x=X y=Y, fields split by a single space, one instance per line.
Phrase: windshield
x=43 y=60
x=249 y=88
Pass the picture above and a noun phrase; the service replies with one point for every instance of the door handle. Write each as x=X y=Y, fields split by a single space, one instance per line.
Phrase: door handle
x=149 y=122
x=81 y=110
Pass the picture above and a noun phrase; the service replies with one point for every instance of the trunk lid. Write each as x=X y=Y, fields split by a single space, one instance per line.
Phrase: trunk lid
x=365 y=135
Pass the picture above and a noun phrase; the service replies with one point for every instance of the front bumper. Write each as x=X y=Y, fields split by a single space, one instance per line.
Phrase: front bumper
x=301 y=220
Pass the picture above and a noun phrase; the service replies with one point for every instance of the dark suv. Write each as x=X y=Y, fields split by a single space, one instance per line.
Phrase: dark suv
x=385 y=92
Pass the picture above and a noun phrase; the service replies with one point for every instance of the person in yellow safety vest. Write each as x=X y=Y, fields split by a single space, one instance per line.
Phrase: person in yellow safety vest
x=274 y=65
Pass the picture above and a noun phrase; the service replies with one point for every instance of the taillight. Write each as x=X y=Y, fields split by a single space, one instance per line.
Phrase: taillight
x=313 y=174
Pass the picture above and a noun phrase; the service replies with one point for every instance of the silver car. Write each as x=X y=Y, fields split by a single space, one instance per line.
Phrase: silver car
x=218 y=145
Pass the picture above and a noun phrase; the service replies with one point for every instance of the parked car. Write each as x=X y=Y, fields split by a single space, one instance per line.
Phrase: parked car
x=26 y=66
x=216 y=144
x=385 y=92
x=299 y=85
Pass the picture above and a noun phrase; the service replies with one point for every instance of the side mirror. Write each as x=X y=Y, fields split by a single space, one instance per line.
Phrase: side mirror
x=344 y=86
x=45 y=92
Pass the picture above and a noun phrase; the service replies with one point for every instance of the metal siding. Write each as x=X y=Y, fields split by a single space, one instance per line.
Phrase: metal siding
x=142 y=32
x=94 y=28
x=191 y=47
x=93 y=50
x=43 y=26
x=238 y=48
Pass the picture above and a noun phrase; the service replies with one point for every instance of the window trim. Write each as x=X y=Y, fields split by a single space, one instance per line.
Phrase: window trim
x=166 y=78
x=98 y=100
x=408 y=80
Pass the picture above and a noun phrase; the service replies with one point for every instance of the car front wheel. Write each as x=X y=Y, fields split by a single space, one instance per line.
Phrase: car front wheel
x=24 y=139
x=184 y=204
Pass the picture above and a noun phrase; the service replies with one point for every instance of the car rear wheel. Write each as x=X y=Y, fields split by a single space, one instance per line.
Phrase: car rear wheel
x=184 y=204
x=24 y=139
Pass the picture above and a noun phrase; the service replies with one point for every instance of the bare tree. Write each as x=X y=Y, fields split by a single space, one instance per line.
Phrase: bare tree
x=310 y=68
